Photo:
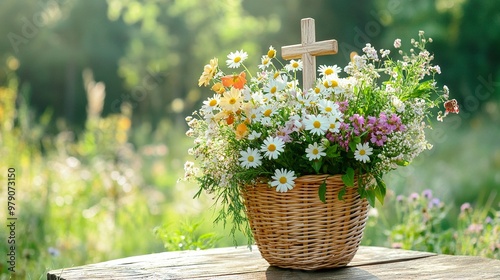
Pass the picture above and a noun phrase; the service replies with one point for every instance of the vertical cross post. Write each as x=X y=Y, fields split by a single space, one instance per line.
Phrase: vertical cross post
x=307 y=51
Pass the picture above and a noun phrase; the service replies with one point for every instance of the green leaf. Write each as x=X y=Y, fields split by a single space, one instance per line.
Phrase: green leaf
x=316 y=165
x=402 y=162
x=331 y=152
x=354 y=141
x=380 y=189
x=322 y=192
x=341 y=194
x=370 y=196
x=352 y=146
x=348 y=178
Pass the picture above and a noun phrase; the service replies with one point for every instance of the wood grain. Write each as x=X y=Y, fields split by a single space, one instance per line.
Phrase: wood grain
x=307 y=50
x=241 y=263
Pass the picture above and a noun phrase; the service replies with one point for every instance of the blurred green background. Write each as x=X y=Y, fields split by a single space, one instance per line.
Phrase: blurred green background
x=93 y=96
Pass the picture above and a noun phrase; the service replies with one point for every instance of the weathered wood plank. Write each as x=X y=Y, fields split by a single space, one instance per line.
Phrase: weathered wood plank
x=230 y=263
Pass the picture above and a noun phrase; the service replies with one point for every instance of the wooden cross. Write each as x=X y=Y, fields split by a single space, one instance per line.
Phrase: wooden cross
x=308 y=50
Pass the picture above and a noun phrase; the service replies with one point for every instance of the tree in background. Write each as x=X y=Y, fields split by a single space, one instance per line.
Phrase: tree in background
x=149 y=53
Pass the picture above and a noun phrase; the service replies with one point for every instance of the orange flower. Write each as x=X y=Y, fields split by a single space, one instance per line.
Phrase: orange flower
x=230 y=119
x=208 y=72
x=241 y=131
x=236 y=81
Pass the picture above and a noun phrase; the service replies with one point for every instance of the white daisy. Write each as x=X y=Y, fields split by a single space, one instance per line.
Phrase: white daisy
x=363 y=151
x=211 y=103
x=294 y=65
x=328 y=107
x=328 y=85
x=254 y=135
x=250 y=158
x=265 y=61
x=254 y=115
x=334 y=124
x=273 y=87
x=283 y=180
x=236 y=58
x=316 y=124
x=329 y=71
x=314 y=151
x=267 y=112
x=272 y=147
x=271 y=53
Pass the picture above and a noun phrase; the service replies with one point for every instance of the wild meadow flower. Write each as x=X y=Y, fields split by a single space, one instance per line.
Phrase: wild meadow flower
x=316 y=124
x=272 y=147
x=250 y=158
x=363 y=152
x=231 y=100
x=235 y=59
x=283 y=180
x=294 y=65
x=208 y=72
x=329 y=71
x=271 y=53
x=265 y=62
x=397 y=43
x=313 y=151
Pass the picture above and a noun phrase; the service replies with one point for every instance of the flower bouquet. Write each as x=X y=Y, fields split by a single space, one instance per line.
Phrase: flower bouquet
x=355 y=124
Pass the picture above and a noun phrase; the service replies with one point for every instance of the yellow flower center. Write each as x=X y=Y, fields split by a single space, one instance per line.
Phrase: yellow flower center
x=232 y=101
x=329 y=71
x=362 y=152
x=276 y=75
x=253 y=116
x=334 y=83
x=237 y=59
x=271 y=53
x=250 y=158
x=316 y=124
x=268 y=112
x=315 y=151
x=271 y=147
x=332 y=125
x=213 y=102
x=265 y=61
x=317 y=90
x=273 y=90
x=295 y=64
x=283 y=180
x=328 y=109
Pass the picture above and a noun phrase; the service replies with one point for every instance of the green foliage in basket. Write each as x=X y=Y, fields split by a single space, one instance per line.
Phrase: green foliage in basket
x=365 y=119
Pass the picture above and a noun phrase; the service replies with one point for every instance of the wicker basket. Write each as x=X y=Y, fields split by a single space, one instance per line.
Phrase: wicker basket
x=296 y=230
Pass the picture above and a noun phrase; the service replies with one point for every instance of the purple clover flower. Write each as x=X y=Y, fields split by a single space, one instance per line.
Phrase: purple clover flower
x=488 y=220
x=435 y=202
x=414 y=196
x=466 y=207
x=427 y=194
x=358 y=123
x=343 y=105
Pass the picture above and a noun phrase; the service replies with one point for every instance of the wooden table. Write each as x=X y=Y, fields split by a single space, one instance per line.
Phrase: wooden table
x=241 y=263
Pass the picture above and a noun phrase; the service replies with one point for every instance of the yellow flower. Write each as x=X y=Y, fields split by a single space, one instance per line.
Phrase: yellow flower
x=218 y=88
x=231 y=101
x=208 y=72
x=241 y=131
x=271 y=53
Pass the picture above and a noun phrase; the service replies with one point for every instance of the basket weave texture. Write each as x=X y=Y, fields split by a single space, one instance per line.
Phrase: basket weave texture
x=296 y=230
